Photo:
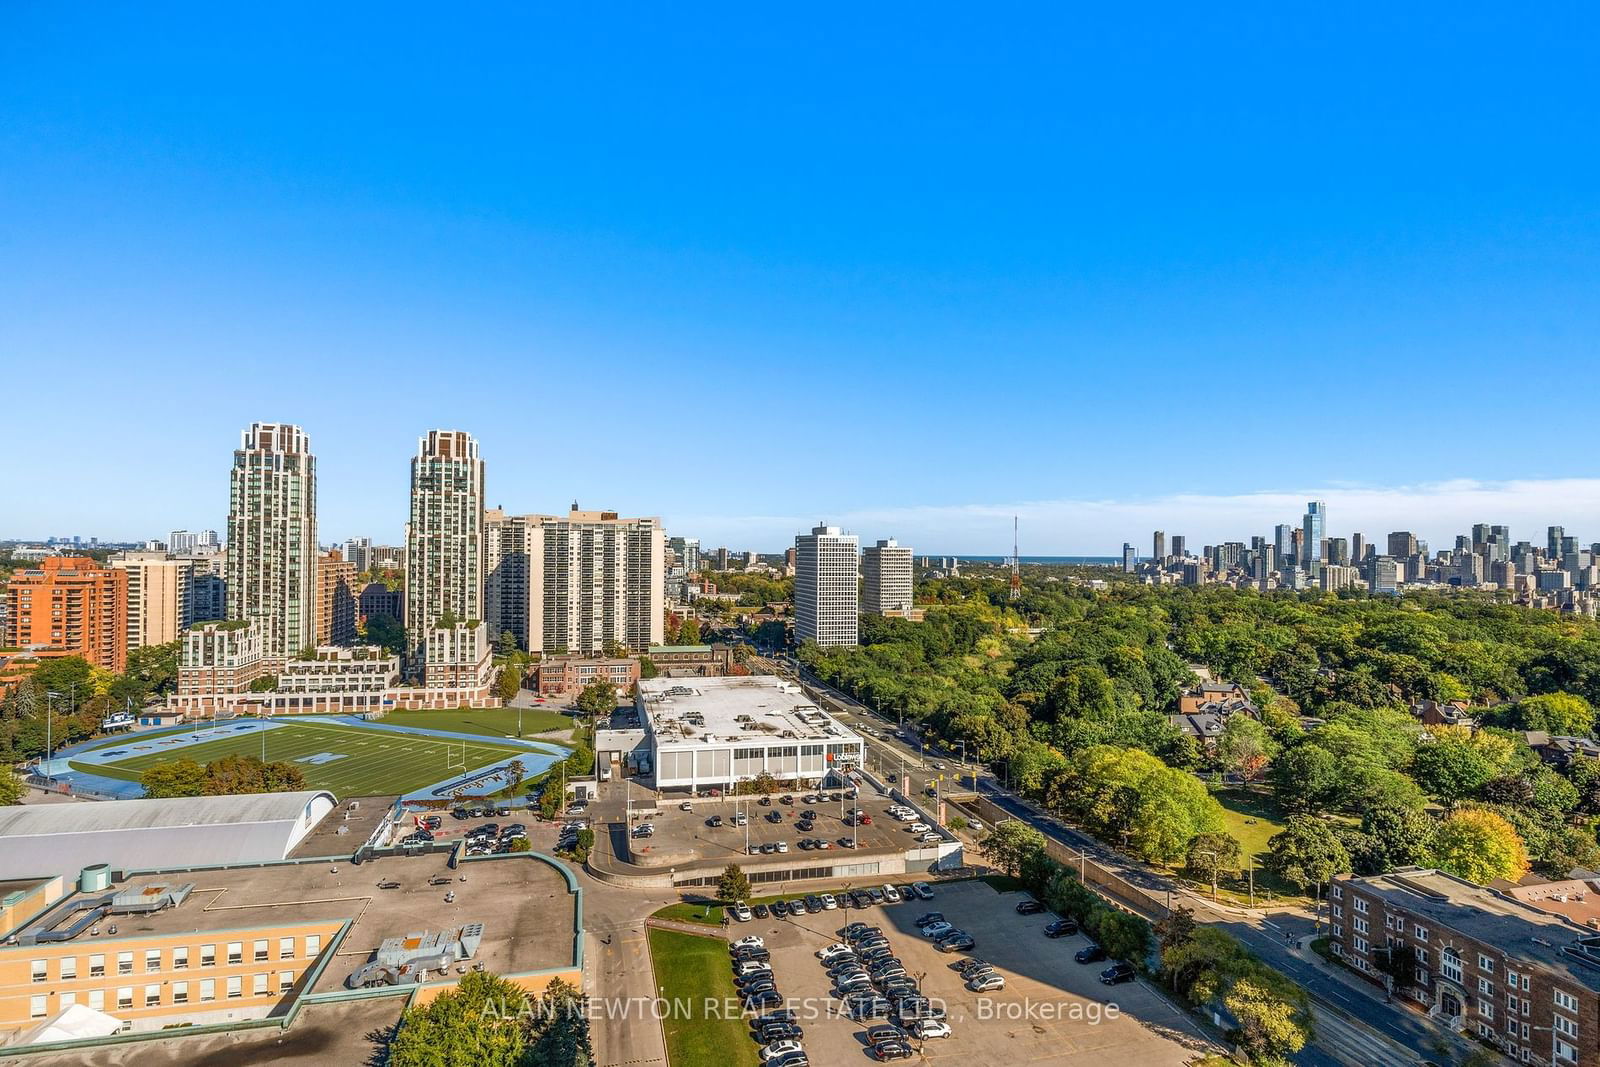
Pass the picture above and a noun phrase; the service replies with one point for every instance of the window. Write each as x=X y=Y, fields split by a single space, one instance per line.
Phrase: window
x=235 y=987
x=1422 y=956
x=1361 y=926
x=235 y=951
x=97 y=965
x=261 y=949
x=313 y=945
x=1338 y=892
x=1485 y=1009
x=1361 y=944
x=208 y=989
x=1485 y=964
x=1485 y=986
x=1524 y=1006
x=1511 y=979
x=1361 y=905
x=1563 y=1025
x=286 y=948
x=152 y=996
x=1524 y=983
x=38 y=1005
x=180 y=958
x=1421 y=932
x=41 y=970
x=124 y=963
x=125 y=998
x=285 y=981
x=1566 y=1000
x=152 y=960
x=69 y=968
x=67 y=1000
x=97 y=999
x=1450 y=965
x=258 y=985
x=208 y=955
x=1565 y=1051
x=180 y=992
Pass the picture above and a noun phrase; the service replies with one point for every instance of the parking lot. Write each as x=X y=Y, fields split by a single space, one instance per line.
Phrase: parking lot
x=681 y=835
x=1052 y=1010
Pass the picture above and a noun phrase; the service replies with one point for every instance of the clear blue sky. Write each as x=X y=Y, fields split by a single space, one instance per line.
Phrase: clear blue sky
x=744 y=268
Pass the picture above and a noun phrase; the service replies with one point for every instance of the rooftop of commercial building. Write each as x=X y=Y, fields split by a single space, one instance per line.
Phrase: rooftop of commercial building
x=523 y=903
x=755 y=709
x=1521 y=930
x=38 y=819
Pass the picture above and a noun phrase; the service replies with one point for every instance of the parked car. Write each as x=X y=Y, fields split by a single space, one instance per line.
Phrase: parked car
x=877 y=1035
x=780 y=909
x=959 y=943
x=1030 y=907
x=767 y=1033
x=927 y=1029
x=760 y=911
x=828 y=903
x=1117 y=973
x=937 y=930
x=1090 y=954
x=986 y=983
x=927 y=919
x=971 y=963
x=838 y=948
x=891 y=894
x=923 y=890
x=715 y=820
x=779 y=1049
x=1061 y=928
x=741 y=912
x=752 y=941
x=891 y=1050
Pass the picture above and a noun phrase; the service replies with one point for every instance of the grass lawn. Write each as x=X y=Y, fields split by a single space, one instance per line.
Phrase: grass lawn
x=688 y=970
x=489 y=722
x=689 y=912
x=1253 y=818
x=371 y=763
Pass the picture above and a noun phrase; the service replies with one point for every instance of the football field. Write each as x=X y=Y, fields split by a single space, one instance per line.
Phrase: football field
x=347 y=761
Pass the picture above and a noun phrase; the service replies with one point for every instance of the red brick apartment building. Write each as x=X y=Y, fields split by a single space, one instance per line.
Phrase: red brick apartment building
x=1515 y=975
x=70 y=606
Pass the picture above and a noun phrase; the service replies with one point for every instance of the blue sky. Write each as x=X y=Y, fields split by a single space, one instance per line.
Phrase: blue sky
x=911 y=268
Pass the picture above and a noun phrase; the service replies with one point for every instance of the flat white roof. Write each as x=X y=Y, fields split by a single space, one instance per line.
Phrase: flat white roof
x=756 y=709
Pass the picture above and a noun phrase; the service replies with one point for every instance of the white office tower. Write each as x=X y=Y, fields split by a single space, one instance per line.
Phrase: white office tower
x=886 y=578
x=444 y=539
x=826 y=589
x=358 y=553
x=272 y=537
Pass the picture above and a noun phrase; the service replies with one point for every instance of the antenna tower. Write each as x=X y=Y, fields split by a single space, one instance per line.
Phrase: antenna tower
x=1016 y=563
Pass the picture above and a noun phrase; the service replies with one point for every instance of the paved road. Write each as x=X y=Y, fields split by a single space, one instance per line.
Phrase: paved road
x=1275 y=936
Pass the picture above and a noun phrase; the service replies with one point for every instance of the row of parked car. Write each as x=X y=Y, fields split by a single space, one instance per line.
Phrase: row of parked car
x=872 y=983
x=814 y=903
x=1119 y=971
x=777 y=1031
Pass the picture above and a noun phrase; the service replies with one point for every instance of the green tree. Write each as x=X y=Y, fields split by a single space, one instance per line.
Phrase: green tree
x=1479 y=846
x=1175 y=928
x=598 y=699
x=1245 y=747
x=689 y=632
x=1393 y=837
x=1273 y=1022
x=387 y=633
x=509 y=683
x=733 y=884
x=1305 y=778
x=550 y=802
x=1452 y=768
x=11 y=788
x=1306 y=852
x=505 y=645
x=1123 y=936
x=180 y=778
x=1564 y=714
x=1399 y=963
x=1211 y=853
x=1011 y=845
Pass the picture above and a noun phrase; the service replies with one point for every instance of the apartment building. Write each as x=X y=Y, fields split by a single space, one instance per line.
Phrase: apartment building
x=1485 y=963
x=159 y=587
x=272 y=536
x=70 y=606
x=218 y=662
x=826 y=586
x=444 y=537
x=576 y=583
x=337 y=599
x=886 y=579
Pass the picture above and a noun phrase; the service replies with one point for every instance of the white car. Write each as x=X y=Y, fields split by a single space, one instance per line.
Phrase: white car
x=783 y=846
x=750 y=967
x=929 y=838
x=936 y=930
x=838 y=948
x=975 y=826
x=891 y=893
x=779 y=1049
x=918 y=828
x=828 y=903
x=987 y=983
x=742 y=913
x=923 y=890
x=749 y=942
x=930 y=1028
x=905 y=816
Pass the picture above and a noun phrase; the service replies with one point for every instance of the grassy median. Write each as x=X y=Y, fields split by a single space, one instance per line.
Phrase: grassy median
x=688 y=970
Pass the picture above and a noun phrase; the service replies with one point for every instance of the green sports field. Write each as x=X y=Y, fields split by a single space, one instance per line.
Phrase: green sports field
x=372 y=762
